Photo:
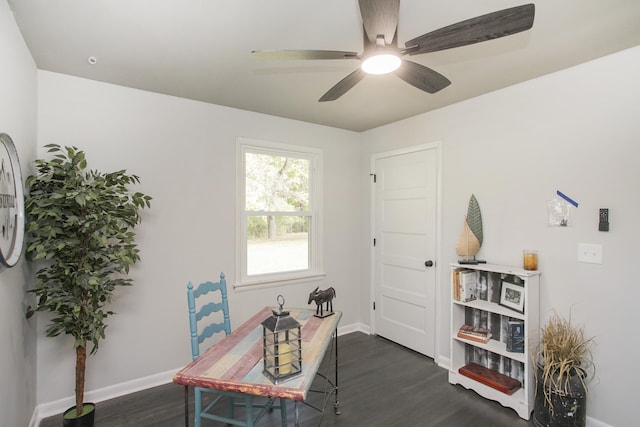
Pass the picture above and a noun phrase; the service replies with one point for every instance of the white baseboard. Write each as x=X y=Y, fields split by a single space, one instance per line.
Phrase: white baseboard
x=355 y=327
x=592 y=422
x=443 y=362
x=59 y=406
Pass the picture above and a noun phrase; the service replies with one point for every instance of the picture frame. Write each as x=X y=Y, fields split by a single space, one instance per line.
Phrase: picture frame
x=512 y=296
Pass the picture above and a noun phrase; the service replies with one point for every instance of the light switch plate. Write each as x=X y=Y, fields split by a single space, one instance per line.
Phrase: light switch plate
x=590 y=253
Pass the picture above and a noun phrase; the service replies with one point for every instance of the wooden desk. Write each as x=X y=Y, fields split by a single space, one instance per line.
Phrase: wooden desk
x=235 y=362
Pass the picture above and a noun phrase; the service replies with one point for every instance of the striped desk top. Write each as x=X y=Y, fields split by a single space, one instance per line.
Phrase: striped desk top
x=235 y=362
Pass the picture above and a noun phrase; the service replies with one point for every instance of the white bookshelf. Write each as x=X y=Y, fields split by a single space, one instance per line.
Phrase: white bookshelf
x=494 y=355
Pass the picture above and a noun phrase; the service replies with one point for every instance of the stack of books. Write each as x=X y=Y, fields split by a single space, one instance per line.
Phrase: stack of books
x=465 y=285
x=470 y=333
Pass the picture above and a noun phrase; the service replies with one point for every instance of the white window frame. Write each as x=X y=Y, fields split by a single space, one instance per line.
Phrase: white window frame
x=316 y=267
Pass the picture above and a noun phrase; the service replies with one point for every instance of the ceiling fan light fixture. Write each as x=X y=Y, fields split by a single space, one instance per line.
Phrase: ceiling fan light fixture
x=381 y=54
x=381 y=63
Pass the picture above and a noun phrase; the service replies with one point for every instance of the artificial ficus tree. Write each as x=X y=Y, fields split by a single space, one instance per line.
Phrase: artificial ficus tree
x=80 y=233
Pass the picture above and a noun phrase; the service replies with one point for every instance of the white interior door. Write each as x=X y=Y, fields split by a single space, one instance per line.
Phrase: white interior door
x=405 y=244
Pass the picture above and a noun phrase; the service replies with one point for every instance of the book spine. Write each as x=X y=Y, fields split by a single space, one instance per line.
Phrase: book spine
x=457 y=283
x=468 y=285
x=515 y=337
x=468 y=329
x=475 y=334
x=474 y=338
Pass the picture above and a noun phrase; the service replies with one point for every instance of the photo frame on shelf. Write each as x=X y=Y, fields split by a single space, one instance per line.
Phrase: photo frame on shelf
x=512 y=296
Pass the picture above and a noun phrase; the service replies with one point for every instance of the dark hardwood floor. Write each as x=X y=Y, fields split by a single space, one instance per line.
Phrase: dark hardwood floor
x=380 y=384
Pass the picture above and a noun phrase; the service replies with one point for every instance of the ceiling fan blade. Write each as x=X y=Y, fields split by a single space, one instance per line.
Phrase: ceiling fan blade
x=303 y=54
x=343 y=86
x=380 y=17
x=422 y=77
x=486 y=27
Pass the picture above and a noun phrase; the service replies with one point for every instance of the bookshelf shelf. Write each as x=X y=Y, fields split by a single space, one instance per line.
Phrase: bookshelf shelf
x=494 y=346
x=485 y=312
x=492 y=307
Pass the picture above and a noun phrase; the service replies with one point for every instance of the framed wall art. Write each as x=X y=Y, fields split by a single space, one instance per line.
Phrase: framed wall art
x=512 y=296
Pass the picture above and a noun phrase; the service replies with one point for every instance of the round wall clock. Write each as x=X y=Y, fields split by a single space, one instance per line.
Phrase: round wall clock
x=11 y=203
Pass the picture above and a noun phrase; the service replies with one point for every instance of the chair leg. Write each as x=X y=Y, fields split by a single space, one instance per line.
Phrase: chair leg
x=198 y=407
x=283 y=411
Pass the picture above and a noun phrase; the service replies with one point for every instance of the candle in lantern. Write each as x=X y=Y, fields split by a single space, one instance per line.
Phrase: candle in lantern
x=284 y=358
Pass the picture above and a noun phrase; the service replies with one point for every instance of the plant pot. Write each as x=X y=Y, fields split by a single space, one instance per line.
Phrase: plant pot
x=565 y=410
x=85 y=420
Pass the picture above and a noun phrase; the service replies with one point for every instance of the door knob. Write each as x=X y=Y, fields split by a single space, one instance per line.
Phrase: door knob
x=428 y=263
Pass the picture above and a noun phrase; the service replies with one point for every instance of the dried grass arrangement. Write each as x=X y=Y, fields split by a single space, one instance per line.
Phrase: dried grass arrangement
x=563 y=353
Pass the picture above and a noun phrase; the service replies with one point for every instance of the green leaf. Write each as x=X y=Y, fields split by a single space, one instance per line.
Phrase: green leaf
x=474 y=218
x=81 y=199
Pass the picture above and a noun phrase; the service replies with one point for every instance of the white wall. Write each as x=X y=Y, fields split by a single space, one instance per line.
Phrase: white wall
x=18 y=120
x=575 y=131
x=184 y=153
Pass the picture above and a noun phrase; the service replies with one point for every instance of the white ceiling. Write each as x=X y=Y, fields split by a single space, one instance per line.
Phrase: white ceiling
x=200 y=49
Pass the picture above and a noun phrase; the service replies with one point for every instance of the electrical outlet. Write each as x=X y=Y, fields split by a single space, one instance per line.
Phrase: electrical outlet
x=590 y=253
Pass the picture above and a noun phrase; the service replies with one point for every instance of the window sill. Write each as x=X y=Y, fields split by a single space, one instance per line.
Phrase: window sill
x=268 y=282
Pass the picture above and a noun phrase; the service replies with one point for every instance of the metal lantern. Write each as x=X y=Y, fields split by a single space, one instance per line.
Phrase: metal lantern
x=282 y=345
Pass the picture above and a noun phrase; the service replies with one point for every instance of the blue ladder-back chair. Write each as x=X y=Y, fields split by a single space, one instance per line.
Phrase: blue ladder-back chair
x=205 y=320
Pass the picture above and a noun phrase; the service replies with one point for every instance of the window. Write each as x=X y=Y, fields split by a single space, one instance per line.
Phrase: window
x=279 y=194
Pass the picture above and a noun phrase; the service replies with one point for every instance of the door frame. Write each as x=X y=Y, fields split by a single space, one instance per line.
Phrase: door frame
x=438 y=257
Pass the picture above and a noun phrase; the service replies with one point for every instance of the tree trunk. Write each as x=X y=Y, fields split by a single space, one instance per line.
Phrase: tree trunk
x=271 y=226
x=81 y=360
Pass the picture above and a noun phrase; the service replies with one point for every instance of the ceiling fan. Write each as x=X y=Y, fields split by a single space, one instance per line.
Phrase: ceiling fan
x=382 y=55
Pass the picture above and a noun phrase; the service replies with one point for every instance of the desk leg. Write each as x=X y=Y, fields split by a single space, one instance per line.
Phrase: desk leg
x=336 y=406
x=186 y=406
x=296 y=413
